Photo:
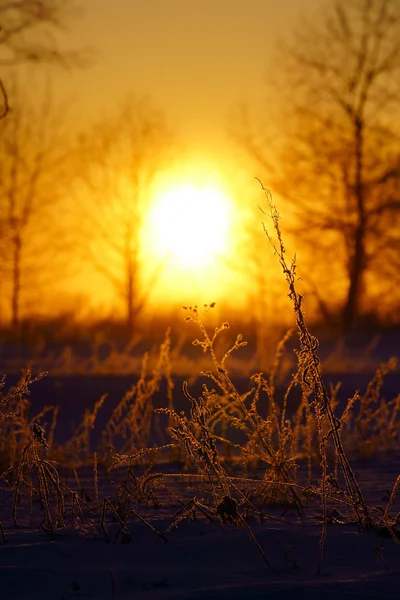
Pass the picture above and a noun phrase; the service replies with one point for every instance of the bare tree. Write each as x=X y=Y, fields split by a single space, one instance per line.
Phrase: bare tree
x=340 y=164
x=27 y=35
x=32 y=153
x=120 y=159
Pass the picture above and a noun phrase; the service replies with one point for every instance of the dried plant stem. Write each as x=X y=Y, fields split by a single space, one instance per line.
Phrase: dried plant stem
x=3 y=535
x=324 y=468
x=312 y=377
x=225 y=383
x=96 y=481
x=256 y=542
x=386 y=518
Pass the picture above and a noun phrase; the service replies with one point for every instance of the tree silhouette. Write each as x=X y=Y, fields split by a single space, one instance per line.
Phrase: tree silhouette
x=27 y=35
x=33 y=148
x=339 y=164
x=119 y=160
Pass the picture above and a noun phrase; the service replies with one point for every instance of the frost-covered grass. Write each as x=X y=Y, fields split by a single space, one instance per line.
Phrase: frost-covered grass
x=243 y=493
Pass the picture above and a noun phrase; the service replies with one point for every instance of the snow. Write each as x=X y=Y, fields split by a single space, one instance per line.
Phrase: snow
x=200 y=559
x=203 y=559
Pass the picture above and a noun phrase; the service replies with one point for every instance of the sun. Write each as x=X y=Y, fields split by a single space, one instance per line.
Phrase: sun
x=189 y=226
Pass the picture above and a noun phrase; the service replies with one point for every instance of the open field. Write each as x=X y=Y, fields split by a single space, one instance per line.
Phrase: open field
x=204 y=559
x=215 y=485
x=101 y=524
x=195 y=402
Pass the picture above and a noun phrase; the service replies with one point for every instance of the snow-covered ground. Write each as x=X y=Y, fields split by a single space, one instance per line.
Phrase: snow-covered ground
x=199 y=558
x=203 y=559
x=200 y=561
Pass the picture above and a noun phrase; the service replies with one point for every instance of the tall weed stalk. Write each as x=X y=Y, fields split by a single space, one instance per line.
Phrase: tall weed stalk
x=312 y=380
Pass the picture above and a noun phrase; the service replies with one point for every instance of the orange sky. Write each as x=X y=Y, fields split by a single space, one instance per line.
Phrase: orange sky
x=197 y=60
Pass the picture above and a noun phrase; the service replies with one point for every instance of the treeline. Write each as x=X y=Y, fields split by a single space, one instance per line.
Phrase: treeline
x=74 y=201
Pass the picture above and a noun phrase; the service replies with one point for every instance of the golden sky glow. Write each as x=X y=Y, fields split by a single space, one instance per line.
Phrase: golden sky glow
x=165 y=131
x=190 y=235
x=196 y=62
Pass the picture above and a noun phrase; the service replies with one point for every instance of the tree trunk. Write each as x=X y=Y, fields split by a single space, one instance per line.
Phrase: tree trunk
x=357 y=268
x=358 y=259
x=16 y=281
x=133 y=306
x=130 y=313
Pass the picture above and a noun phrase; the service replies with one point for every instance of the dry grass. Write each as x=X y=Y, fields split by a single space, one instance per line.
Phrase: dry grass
x=230 y=457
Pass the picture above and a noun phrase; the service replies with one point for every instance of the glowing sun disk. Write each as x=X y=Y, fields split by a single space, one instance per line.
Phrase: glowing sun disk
x=191 y=225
